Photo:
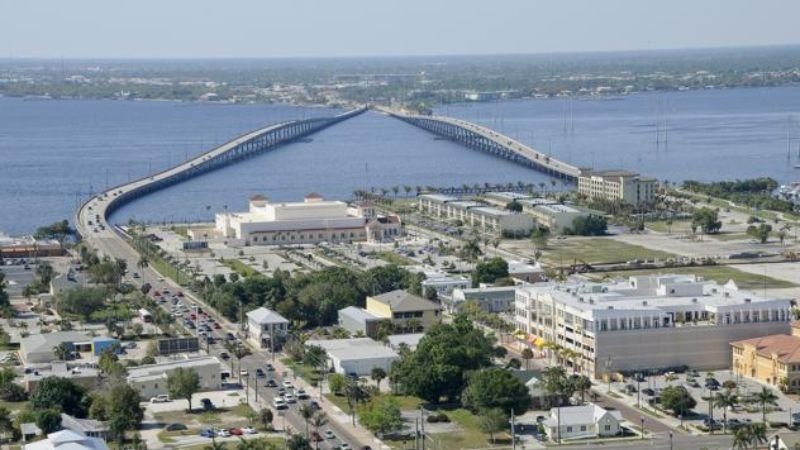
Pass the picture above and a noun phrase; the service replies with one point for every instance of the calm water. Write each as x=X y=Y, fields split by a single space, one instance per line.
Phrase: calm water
x=54 y=152
x=711 y=135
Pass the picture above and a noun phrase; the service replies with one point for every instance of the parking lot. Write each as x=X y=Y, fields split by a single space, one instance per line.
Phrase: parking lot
x=746 y=410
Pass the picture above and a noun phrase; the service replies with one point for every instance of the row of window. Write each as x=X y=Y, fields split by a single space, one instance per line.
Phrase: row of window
x=301 y=237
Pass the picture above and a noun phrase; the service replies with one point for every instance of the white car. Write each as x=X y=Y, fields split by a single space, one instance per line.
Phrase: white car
x=329 y=434
x=289 y=398
x=344 y=446
x=288 y=384
x=279 y=404
x=243 y=372
x=163 y=398
x=223 y=433
x=249 y=430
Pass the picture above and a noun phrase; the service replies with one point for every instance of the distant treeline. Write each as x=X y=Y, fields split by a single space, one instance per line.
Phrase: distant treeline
x=755 y=192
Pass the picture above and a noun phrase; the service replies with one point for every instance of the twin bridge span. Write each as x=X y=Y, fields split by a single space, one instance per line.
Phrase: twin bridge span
x=488 y=141
x=95 y=212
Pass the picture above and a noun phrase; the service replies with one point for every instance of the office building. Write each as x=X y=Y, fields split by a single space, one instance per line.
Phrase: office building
x=773 y=359
x=151 y=380
x=617 y=185
x=356 y=356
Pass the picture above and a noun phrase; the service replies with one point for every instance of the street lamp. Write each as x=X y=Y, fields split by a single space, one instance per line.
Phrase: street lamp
x=642 y=420
x=670 y=440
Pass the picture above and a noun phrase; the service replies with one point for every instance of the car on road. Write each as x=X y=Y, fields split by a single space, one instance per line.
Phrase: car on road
x=223 y=433
x=208 y=432
x=344 y=446
x=244 y=372
x=176 y=427
x=249 y=430
x=278 y=403
x=289 y=398
x=163 y=398
x=329 y=434
x=314 y=405
x=236 y=431
x=225 y=356
x=288 y=384
x=301 y=394
x=271 y=383
x=648 y=391
x=270 y=367
x=260 y=373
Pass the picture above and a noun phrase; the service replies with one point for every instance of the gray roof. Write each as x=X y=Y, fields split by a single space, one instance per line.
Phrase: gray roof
x=46 y=341
x=401 y=301
x=580 y=415
x=30 y=428
x=82 y=425
x=361 y=314
x=159 y=370
x=353 y=349
x=410 y=339
x=265 y=316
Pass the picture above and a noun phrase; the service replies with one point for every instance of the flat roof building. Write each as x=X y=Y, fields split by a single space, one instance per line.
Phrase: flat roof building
x=492 y=299
x=475 y=214
x=151 y=380
x=359 y=321
x=646 y=322
x=264 y=325
x=617 y=185
x=358 y=355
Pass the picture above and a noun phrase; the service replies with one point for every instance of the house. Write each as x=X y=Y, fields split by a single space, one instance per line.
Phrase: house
x=533 y=381
x=407 y=311
x=491 y=299
x=359 y=321
x=356 y=356
x=410 y=340
x=151 y=380
x=89 y=427
x=266 y=328
x=772 y=359
x=67 y=440
x=522 y=272
x=39 y=348
x=582 y=422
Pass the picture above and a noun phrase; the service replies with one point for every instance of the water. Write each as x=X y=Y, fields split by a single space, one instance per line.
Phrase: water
x=711 y=134
x=52 y=153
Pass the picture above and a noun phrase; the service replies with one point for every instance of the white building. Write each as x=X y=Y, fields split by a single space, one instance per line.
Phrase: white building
x=311 y=221
x=358 y=355
x=492 y=299
x=555 y=216
x=475 y=214
x=646 y=322
x=522 y=272
x=264 y=325
x=617 y=185
x=151 y=380
x=582 y=422
x=444 y=284
x=67 y=440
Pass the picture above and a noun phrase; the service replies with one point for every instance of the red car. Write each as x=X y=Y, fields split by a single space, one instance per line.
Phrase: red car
x=236 y=431
x=216 y=326
x=156 y=294
x=180 y=294
x=315 y=437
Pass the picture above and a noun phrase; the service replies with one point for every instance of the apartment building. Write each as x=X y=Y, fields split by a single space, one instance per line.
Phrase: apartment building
x=645 y=322
x=475 y=214
x=405 y=310
x=617 y=185
x=773 y=359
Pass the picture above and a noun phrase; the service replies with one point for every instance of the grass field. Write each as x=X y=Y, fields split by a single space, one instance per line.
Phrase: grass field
x=728 y=236
x=239 y=267
x=394 y=258
x=720 y=274
x=13 y=406
x=597 y=250
x=677 y=227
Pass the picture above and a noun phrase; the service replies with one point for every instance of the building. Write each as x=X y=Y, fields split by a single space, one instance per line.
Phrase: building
x=359 y=322
x=151 y=380
x=582 y=422
x=67 y=440
x=311 y=221
x=522 y=272
x=409 y=340
x=773 y=359
x=502 y=199
x=28 y=247
x=356 y=356
x=82 y=374
x=492 y=299
x=555 y=216
x=39 y=348
x=646 y=322
x=89 y=427
x=266 y=327
x=444 y=284
x=407 y=311
x=617 y=185
x=475 y=214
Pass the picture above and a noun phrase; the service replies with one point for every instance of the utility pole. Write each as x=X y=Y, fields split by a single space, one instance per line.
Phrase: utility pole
x=513 y=432
x=422 y=425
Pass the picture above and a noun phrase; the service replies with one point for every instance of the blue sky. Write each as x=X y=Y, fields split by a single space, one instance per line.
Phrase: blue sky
x=280 y=28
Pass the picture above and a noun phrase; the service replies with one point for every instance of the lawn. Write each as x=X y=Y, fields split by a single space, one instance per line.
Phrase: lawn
x=13 y=406
x=677 y=227
x=597 y=250
x=302 y=370
x=394 y=258
x=232 y=445
x=239 y=267
x=217 y=416
x=728 y=236
x=720 y=274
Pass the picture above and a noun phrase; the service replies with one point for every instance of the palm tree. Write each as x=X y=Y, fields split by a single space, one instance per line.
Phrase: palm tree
x=142 y=265
x=582 y=384
x=306 y=412
x=215 y=445
x=725 y=400
x=742 y=438
x=61 y=351
x=766 y=397
x=758 y=434
x=377 y=375
x=527 y=355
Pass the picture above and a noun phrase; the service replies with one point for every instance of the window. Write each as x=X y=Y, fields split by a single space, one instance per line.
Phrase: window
x=583 y=427
x=607 y=427
x=569 y=429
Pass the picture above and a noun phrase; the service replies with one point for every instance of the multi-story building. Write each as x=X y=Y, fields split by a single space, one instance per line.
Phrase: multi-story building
x=498 y=299
x=773 y=359
x=444 y=284
x=151 y=380
x=617 y=185
x=555 y=216
x=475 y=214
x=406 y=311
x=311 y=221
x=266 y=328
x=645 y=322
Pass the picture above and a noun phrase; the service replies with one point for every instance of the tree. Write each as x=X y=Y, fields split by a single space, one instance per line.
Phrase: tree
x=377 y=375
x=124 y=410
x=489 y=270
x=766 y=398
x=527 y=355
x=265 y=416
x=760 y=232
x=581 y=383
x=590 y=225
x=12 y=392
x=496 y=388
x=81 y=301
x=443 y=356
x=298 y=442
x=57 y=230
x=706 y=219
x=48 y=419
x=677 y=399
x=306 y=412
x=59 y=393
x=492 y=421
x=514 y=206
x=183 y=383
x=382 y=416
x=336 y=383
x=62 y=351
x=725 y=400
x=554 y=382
x=6 y=424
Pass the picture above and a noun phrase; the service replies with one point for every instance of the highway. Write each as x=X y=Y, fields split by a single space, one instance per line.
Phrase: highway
x=92 y=224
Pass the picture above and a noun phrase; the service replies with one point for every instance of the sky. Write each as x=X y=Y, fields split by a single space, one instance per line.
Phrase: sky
x=329 y=28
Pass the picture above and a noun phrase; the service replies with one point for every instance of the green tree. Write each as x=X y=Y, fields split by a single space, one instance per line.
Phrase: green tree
x=124 y=410
x=306 y=412
x=514 y=206
x=581 y=383
x=492 y=421
x=48 y=419
x=488 y=271
x=183 y=383
x=61 y=394
x=265 y=416
x=336 y=382
x=382 y=416
x=766 y=397
x=81 y=301
x=6 y=423
x=760 y=232
x=298 y=442
x=62 y=351
x=678 y=400
x=706 y=219
x=590 y=225
x=496 y=388
x=377 y=375
x=725 y=399
x=527 y=355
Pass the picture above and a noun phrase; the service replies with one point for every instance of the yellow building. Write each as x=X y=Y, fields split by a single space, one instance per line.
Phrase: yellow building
x=406 y=311
x=773 y=359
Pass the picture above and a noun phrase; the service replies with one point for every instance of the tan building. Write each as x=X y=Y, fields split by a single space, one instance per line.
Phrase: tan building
x=773 y=359
x=617 y=185
x=407 y=311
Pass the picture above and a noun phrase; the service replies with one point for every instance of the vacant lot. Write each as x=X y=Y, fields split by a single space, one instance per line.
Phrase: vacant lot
x=720 y=274
x=597 y=250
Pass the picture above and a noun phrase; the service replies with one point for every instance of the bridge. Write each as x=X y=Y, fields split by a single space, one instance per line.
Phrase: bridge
x=92 y=217
x=488 y=141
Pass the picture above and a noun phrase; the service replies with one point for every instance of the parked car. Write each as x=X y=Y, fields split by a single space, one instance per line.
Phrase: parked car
x=344 y=446
x=224 y=356
x=223 y=433
x=278 y=403
x=176 y=427
x=648 y=391
x=236 y=431
x=208 y=432
x=207 y=404
x=244 y=372
x=270 y=367
x=301 y=394
x=289 y=398
x=712 y=424
x=315 y=437
x=329 y=434
x=260 y=373
x=249 y=430
x=271 y=383
x=288 y=384
x=163 y=398
x=314 y=405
